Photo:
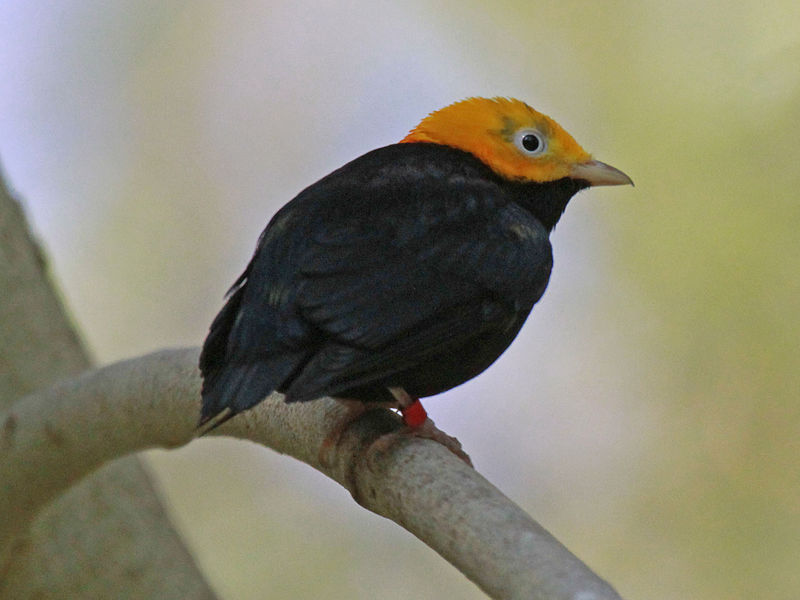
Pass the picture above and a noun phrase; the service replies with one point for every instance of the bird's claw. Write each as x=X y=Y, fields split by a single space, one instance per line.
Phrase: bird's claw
x=428 y=431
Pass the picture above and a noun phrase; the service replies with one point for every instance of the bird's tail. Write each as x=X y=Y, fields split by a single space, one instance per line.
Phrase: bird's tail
x=230 y=385
x=235 y=388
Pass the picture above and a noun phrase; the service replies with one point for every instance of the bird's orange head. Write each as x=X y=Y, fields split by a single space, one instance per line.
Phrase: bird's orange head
x=514 y=140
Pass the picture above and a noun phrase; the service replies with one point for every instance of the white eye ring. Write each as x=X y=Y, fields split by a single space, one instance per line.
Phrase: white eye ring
x=530 y=142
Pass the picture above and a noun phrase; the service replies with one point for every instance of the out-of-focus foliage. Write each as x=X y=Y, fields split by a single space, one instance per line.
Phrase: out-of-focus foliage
x=649 y=412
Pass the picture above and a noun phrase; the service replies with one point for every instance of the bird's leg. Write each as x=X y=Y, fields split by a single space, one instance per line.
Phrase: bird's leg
x=416 y=421
x=414 y=414
x=418 y=424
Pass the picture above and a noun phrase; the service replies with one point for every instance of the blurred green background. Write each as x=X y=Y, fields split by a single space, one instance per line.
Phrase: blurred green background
x=648 y=414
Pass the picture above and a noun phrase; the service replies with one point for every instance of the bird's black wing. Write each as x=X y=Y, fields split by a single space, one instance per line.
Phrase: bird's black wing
x=410 y=268
x=406 y=251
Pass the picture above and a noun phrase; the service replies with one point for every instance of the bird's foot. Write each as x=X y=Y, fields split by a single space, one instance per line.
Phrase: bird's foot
x=426 y=430
x=416 y=424
x=355 y=409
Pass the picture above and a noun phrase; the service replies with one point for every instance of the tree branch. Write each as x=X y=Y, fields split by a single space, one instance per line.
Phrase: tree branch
x=51 y=439
x=75 y=547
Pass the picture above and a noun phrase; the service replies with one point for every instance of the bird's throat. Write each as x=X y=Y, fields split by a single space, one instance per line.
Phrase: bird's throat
x=546 y=201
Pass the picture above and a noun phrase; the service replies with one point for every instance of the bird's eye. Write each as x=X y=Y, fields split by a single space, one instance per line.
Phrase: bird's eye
x=530 y=142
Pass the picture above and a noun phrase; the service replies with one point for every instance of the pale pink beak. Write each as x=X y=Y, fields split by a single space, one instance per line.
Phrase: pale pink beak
x=599 y=173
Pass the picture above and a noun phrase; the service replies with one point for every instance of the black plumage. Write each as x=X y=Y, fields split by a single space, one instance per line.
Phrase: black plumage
x=413 y=266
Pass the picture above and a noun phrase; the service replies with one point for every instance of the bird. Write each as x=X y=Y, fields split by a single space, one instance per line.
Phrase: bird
x=404 y=273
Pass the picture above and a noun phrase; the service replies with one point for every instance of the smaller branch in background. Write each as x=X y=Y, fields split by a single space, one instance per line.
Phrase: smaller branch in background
x=52 y=439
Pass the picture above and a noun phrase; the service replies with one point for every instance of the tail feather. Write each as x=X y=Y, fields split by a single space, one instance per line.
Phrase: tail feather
x=237 y=373
x=235 y=388
x=215 y=348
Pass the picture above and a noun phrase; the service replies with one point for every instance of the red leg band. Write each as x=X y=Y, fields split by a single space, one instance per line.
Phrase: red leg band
x=414 y=415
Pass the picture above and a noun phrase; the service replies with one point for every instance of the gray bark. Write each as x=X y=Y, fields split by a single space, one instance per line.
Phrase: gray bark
x=108 y=536
x=63 y=433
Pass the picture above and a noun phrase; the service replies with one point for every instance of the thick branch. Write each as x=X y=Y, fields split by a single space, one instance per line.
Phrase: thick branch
x=52 y=439
x=37 y=342
x=74 y=548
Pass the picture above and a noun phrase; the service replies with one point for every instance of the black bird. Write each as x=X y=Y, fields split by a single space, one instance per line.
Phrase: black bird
x=405 y=272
